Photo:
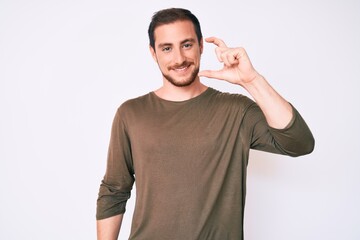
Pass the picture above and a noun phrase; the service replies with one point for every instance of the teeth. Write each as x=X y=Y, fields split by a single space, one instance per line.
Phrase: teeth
x=180 y=69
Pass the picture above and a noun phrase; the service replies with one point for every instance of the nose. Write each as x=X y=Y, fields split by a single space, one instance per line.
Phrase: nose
x=179 y=56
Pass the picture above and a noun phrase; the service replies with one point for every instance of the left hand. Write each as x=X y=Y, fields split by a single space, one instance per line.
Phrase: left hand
x=237 y=65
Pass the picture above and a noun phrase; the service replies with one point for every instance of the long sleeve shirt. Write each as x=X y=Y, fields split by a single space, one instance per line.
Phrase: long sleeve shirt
x=189 y=160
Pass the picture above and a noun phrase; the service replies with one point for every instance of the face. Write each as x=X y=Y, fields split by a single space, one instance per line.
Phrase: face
x=177 y=52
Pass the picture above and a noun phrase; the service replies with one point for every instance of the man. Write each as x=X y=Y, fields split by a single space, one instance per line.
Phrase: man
x=187 y=144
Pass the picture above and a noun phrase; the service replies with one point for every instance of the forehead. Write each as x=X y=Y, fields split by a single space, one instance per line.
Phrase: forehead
x=174 y=32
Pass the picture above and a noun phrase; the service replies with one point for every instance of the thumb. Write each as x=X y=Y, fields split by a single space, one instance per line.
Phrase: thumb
x=210 y=74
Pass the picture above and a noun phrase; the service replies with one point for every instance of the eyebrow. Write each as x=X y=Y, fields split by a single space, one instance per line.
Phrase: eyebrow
x=161 y=45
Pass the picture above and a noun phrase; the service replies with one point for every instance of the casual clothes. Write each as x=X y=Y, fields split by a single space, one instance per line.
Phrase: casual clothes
x=189 y=160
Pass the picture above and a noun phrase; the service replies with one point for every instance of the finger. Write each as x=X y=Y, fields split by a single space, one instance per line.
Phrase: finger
x=217 y=41
x=210 y=74
x=229 y=57
x=232 y=57
x=219 y=52
x=223 y=55
x=226 y=59
x=242 y=54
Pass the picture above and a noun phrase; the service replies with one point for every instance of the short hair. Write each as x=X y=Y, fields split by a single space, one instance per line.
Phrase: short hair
x=172 y=15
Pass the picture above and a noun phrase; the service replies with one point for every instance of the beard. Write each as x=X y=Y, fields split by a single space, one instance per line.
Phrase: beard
x=182 y=82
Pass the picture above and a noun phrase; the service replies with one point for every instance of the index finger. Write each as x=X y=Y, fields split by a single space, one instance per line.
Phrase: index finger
x=217 y=41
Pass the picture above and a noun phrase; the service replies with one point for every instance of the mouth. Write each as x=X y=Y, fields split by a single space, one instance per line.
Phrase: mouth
x=181 y=68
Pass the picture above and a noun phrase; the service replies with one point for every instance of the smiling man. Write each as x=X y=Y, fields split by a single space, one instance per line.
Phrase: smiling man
x=187 y=145
x=177 y=50
x=178 y=58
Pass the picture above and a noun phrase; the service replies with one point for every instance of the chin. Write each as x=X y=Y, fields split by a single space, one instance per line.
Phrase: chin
x=184 y=82
x=180 y=83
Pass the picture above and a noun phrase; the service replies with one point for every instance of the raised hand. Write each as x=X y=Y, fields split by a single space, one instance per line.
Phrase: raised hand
x=239 y=70
x=237 y=65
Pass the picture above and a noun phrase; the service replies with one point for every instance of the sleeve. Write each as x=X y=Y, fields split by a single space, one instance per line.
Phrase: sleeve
x=294 y=140
x=117 y=183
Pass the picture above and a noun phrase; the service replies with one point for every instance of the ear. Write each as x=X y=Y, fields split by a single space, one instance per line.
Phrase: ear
x=201 y=46
x=153 y=53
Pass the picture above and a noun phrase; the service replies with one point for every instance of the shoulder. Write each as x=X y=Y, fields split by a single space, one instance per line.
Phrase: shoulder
x=131 y=107
x=231 y=99
x=134 y=103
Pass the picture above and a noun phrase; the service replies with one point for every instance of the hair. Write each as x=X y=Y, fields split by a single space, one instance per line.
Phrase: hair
x=172 y=15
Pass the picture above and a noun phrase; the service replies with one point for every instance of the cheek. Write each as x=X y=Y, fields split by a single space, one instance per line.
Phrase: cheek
x=164 y=61
x=162 y=65
x=197 y=59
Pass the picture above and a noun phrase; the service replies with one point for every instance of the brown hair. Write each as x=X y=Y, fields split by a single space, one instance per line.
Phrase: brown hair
x=171 y=15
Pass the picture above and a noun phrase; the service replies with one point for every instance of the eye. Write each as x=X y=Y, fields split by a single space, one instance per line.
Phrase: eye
x=187 y=45
x=166 y=49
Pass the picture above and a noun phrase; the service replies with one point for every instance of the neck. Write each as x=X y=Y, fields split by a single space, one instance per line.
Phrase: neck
x=173 y=93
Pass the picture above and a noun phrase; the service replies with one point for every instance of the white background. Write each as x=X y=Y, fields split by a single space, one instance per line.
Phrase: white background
x=65 y=66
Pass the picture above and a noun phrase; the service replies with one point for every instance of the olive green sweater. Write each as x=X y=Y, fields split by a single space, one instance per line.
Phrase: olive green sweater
x=189 y=160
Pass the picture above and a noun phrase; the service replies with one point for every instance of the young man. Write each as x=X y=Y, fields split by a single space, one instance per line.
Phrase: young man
x=187 y=144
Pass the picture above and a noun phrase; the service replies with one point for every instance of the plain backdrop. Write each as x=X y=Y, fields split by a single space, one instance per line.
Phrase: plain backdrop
x=65 y=67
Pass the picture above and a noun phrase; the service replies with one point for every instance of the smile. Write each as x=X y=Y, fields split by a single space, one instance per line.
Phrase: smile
x=182 y=68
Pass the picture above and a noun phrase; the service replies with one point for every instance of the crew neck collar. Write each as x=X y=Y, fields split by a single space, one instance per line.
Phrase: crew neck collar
x=204 y=93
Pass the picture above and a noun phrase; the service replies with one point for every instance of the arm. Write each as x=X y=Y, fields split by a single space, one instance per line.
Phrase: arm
x=239 y=70
x=277 y=111
x=294 y=140
x=109 y=228
x=115 y=188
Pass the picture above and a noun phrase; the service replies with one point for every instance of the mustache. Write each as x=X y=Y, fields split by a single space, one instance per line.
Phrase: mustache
x=181 y=65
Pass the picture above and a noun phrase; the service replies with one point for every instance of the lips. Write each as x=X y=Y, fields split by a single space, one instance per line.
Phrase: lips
x=182 y=68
